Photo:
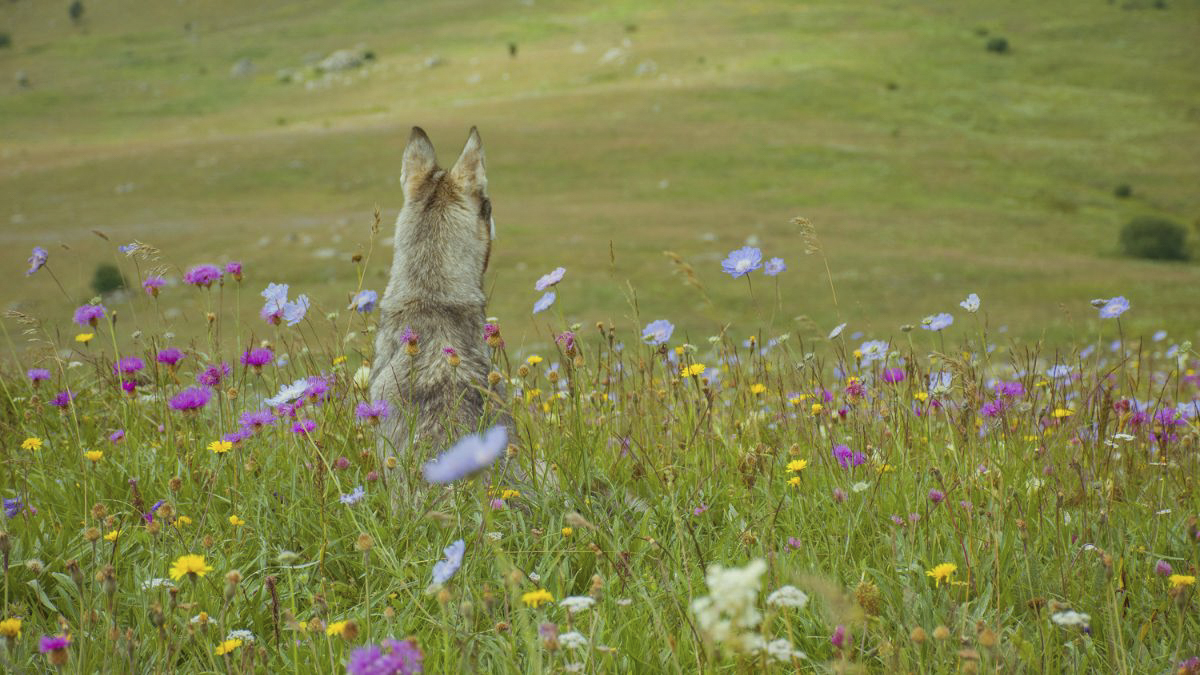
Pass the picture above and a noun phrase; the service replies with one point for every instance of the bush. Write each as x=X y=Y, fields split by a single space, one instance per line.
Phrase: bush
x=107 y=279
x=1154 y=238
x=998 y=45
x=5 y=40
x=75 y=11
x=1123 y=191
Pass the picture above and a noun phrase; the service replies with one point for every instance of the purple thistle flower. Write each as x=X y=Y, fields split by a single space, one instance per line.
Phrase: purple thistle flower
x=936 y=496
x=472 y=453
x=53 y=643
x=393 y=657
x=128 y=365
x=203 y=275
x=37 y=260
x=191 y=399
x=444 y=569
x=341 y=464
x=897 y=520
x=774 y=267
x=550 y=279
x=149 y=515
x=893 y=375
x=238 y=436
x=408 y=337
x=153 y=283
x=838 y=639
x=1009 y=389
x=544 y=302
x=848 y=458
x=364 y=301
x=373 y=412
x=257 y=419
x=1163 y=568
x=1114 y=307
x=257 y=357
x=937 y=322
x=129 y=386
x=317 y=390
x=169 y=356
x=992 y=409
x=794 y=543
x=36 y=375
x=89 y=315
x=491 y=335
x=657 y=332
x=12 y=507
x=117 y=436
x=63 y=399
x=741 y=262
x=212 y=375
x=304 y=427
x=234 y=269
x=567 y=340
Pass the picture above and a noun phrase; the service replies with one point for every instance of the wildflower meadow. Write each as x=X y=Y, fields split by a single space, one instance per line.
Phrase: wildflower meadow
x=926 y=498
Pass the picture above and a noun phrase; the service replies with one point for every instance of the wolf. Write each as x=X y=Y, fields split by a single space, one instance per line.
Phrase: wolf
x=431 y=362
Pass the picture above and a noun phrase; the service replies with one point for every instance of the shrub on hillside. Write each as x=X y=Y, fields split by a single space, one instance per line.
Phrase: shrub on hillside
x=1154 y=238
x=107 y=279
x=5 y=40
x=1123 y=191
x=997 y=45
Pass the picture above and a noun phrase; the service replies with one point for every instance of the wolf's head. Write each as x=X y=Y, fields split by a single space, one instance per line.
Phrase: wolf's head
x=444 y=232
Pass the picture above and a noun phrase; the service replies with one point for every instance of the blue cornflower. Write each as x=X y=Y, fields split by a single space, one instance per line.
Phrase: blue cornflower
x=12 y=507
x=657 y=332
x=293 y=312
x=356 y=495
x=364 y=301
x=937 y=322
x=742 y=261
x=38 y=260
x=971 y=304
x=774 y=266
x=544 y=302
x=444 y=569
x=470 y=454
x=550 y=279
x=1114 y=307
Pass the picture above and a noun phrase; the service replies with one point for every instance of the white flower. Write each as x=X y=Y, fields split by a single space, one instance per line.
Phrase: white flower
x=728 y=616
x=572 y=640
x=860 y=486
x=971 y=304
x=837 y=331
x=1071 y=618
x=1033 y=485
x=362 y=377
x=156 y=583
x=243 y=635
x=788 y=596
x=494 y=536
x=288 y=393
x=624 y=602
x=781 y=649
x=577 y=603
x=573 y=668
x=535 y=577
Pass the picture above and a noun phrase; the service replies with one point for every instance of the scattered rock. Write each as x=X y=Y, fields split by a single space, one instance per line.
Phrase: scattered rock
x=647 y=67
x=342 y=59
x=434 y=61
x=22 y=79
x=615 y=55
x=243 y=68
x=578 y=47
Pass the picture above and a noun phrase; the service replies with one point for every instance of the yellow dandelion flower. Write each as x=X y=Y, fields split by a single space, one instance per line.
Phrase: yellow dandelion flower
x=220 y=447
x=1181 y=580
x=536 y=598
x=531 y=394
x=794 y=481
x=31 y=443
x=942 y=572
x=228 y=646
x=796 y=400
x=693 y=370
x=336 y=628
x=182 y=520
x=885 y=468
x=566 y=531
x=190 y=565
x=533 y=359
x=94 y=455
x=10 y=628
x=339 y=360
x=758 y=388
x=817 y=408
x=236 y=522
x=112 y=536
x=857 y=353
x=921 y=396
x=1059 y=413
x=797 y=465
x=85 y=337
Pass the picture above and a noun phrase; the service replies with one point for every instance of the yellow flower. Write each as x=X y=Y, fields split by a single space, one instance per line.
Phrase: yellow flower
x=85 y=337
x=339 y=360
x=236 y=522
x=794 y=481
x=228 y=646
x=857 y=353
x=884 y=468
x=536 y=598
x=220 y=447
x=10 y=628
x=182 y=520
x=336 y=628
x=31 y=443
x=921 y=396
x=510 y=494
x=797 y=400
x=692 y=370
x=817 y=408
x=797 y=465
x=94 y=455
x=533 y=359
x=942 y=572
x=1181 y=580
x=112 y=536
x=531 y=394
x=566 y=532
x=758 y=388
x=1063 y=412
x=190 y=565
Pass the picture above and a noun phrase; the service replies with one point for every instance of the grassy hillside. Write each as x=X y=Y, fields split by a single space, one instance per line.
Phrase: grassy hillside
x=931 y=166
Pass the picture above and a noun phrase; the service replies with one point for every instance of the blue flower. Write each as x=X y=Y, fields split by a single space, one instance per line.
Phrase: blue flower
x=12 y=507
x=1114 y=307
x=550 y=279
x=355 y=496
x=774 y=266
x=1059 y=371
x=657 y=332
x=544 y=302
x=971 y=304
x=472 y=453
x=127 y=248
x=873 y=350
x=364 y=301
x=444 y=569
x=937 y=322
x=742 y=261
x=293 y=312
x=38 y=260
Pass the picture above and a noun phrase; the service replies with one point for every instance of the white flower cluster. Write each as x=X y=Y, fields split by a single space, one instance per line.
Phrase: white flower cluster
x=781 y=650
x=729 y=615
x=1071 y=618
x=788 y=596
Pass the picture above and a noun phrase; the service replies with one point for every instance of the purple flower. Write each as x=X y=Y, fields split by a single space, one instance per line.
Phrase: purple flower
x=203 y=275
x=550 y=279
x=353 y=497
x=491 y=335
x=63 y=399
x=373 y=412
x=657 y=332
x=12 y=507
x=936 y=496
x=393 y=657
x=37 y=374
x=364 y=301
x=149 y=515
x=89 y=315
x=128 y=365
x=238 y=436
x=937 y=322
x=1009 y=389
x=544 y=302
x=153 y=283
x=191 y=399
x=317 y=390
x=117 y=436
x=129 y=386
x=234 y=269
x=774 y=266
x=257 y=419
x=741 y=262
x=897 y=520
x=700 y=509
x=53 y=643
x=212 y=375
x=170 y=356
x=293 y=312
x=444 y=569
x=1114 y=307
x=848 y=458
x=893 y=375
x=341 y=464
x=276 y=297
x=838 y=639
x=567 y=340
x=257 y=357
x=839 y=495
x=992 y=409
x=304 y=427
x=1163 y=568
x=794 y=543
x=38 y=260
x=408 y=337
x=472 y=453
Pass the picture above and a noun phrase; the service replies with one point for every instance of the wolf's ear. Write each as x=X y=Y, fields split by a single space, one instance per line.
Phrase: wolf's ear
x=469 y=171
x=419 y=160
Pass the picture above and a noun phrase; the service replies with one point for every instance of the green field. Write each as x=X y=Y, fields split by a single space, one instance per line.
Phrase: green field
x=930 y=166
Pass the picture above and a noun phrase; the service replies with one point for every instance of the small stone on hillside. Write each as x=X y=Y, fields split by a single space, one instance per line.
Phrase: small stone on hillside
x=243 y=68
x=434 y=61
x=342 y=59
x=614 y=55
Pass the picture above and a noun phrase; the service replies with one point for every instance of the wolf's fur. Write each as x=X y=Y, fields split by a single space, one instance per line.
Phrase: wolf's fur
x=442 y=244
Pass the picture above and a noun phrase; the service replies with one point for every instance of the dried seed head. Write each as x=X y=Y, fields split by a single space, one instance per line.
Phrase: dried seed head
x=364 y=542
x=941 y=633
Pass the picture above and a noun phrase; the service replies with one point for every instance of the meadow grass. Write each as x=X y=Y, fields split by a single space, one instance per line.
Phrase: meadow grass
x=919 y=501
